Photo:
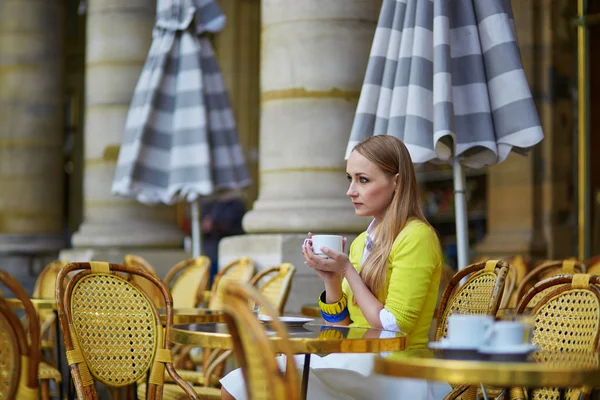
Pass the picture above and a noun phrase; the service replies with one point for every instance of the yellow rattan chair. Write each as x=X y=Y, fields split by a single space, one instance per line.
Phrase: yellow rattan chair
x=567 y=325
x=480 y=294
x=546 y=270
x=240 y=270
x=275 y=284
x=253 y=349
x=188 y=280
x=112 y=330
x=19 y=352
x=148 y=287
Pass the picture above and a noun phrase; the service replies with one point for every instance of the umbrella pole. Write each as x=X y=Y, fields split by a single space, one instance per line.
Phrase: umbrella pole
x=196 y=233
x=460 y=209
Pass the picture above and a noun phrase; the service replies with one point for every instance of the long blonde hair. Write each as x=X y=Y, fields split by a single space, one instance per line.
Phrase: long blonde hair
x=392 y=157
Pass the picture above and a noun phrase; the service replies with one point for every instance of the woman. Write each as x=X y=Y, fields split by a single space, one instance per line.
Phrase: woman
x=390 y=280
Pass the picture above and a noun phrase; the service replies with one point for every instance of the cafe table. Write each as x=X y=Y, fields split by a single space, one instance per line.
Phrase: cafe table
x=307 y=339
x=558 y=370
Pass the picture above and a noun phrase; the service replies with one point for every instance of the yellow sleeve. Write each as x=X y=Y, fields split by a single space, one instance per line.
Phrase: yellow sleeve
x=414 y=258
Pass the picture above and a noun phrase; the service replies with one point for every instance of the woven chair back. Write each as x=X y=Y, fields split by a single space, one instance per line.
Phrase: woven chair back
x=44 y=287
x=480 y=294
x=112 y=330
x=275 y=284
x=240 y=270
x=253 y=349
x=148 y=287
x=567 y=324
x=188 y=280
x=10 y=358
x=543 y=271
x=23 y=353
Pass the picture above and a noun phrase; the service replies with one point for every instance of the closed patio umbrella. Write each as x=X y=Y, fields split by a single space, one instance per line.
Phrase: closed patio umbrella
x=180 y=140
x=445 y=77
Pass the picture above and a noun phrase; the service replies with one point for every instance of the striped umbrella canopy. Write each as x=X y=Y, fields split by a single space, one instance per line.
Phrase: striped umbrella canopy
x=180 y=138
x=446 y=78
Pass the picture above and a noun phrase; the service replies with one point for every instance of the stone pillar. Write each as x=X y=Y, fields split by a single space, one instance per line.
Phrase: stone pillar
x=32 y=197
x=118 y=39
x=313 y=60
x=530 y=198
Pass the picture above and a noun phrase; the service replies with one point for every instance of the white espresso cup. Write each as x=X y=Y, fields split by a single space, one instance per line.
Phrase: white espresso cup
x=507 y=334
x=334 y=242
x=468 y=330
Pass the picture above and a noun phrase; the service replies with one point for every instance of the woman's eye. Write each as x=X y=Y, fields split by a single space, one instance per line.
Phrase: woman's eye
x=349 y=178
x=363 y=180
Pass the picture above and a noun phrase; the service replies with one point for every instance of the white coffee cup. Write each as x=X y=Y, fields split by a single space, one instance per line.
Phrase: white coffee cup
x=507 y=334
x=334 y=242
x=468 y=330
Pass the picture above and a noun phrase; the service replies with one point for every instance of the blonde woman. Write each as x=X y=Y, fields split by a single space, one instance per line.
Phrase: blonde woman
x=390 y=280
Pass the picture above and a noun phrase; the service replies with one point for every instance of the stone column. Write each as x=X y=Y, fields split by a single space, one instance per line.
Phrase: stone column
x=314 y=56
x=313 y=60
x=118 y=39
x=31 y=125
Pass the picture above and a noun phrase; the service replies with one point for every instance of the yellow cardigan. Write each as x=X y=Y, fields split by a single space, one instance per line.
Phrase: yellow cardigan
x=413 y=278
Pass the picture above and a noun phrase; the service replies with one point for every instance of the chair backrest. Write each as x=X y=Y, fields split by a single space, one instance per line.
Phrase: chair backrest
x=253 y=349
x=546 y=270
x=480 y=294
x=20 y=359
x=240 y=270
x=148 y=287
x=567 y=322
x=188 y=280
x=112 y=331
x=275 y=284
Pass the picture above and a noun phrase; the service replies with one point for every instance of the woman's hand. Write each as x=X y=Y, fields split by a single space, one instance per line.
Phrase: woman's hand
x=330 y=268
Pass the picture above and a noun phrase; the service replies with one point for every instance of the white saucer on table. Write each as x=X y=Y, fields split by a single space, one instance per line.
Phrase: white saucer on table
x=523 y=348
x=288 y=321
x=445 y=344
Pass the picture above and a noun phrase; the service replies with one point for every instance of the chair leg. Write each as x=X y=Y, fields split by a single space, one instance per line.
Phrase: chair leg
x=45 y=389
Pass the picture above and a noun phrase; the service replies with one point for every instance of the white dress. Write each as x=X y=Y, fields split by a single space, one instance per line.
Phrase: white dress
x=349 y=376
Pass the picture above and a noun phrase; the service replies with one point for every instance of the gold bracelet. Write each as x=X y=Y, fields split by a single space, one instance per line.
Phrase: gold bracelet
x=333 y=308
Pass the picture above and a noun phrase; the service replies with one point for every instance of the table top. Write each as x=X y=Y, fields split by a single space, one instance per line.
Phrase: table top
x=40 y=304
x=193 y=316
x=559 y=370
x=309 y=338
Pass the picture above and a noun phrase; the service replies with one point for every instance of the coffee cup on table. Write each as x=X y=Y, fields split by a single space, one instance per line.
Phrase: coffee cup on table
x=468 y=331
x=333 y=242
x=507 y=334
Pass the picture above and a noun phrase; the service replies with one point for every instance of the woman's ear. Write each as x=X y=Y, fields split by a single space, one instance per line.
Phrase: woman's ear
x=396 y=179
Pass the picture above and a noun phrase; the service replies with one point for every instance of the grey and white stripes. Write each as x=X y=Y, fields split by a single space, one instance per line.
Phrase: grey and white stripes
x=445 y=76
x=180 y=139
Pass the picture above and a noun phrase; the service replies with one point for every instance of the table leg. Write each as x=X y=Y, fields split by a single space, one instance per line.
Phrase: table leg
x=305 y=372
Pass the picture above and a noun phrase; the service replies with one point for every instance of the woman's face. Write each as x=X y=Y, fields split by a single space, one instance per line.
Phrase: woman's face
x=371 y=189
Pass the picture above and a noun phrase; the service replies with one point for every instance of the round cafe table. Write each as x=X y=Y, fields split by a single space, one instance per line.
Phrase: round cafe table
x=310 y=338
x=562 y=370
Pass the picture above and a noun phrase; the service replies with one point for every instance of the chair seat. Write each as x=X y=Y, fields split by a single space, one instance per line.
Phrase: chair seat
x=174 y=392
x=46 y=371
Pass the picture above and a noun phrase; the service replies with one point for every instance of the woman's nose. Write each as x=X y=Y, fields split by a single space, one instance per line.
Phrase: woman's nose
x=351 y=191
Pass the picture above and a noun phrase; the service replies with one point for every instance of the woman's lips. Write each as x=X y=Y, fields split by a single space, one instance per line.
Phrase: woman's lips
x=357 y=204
